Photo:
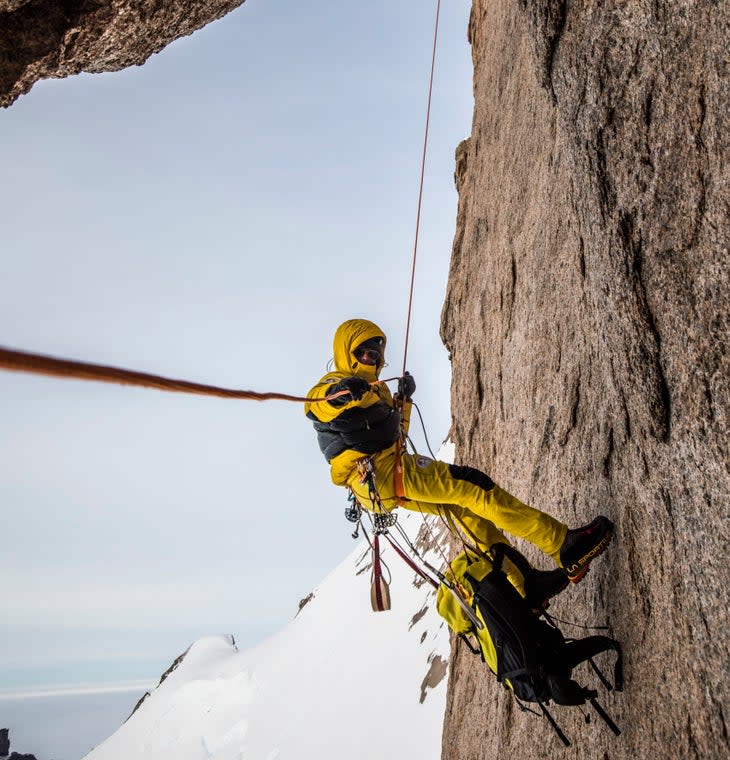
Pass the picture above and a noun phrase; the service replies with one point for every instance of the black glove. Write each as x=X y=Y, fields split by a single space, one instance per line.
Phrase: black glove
x=356 y=386
x=406 y=385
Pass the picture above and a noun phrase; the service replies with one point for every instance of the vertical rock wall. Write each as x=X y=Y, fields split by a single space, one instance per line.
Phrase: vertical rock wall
x=587 y=321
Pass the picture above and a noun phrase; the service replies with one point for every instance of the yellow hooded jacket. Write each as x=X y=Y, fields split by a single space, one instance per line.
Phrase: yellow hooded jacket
x=357 y=428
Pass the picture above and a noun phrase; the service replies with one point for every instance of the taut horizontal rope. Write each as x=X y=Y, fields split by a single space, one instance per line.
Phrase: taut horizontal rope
x=37 y=364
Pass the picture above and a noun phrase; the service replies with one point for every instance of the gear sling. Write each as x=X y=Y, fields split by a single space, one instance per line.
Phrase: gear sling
x=528 y=655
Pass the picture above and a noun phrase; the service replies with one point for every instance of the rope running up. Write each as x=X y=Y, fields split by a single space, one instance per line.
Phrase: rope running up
x=420 y=189
x=37 y=364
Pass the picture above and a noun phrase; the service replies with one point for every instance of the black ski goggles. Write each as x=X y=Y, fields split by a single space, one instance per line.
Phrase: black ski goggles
x=371 y=351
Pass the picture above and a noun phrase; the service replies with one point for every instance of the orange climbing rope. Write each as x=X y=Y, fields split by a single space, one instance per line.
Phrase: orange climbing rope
x=420 y=188
x=398 y=469
x=37 y=364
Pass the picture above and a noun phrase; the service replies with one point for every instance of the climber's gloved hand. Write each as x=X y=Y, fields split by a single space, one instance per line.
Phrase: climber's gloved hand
x=357 y=387
x=406 y=386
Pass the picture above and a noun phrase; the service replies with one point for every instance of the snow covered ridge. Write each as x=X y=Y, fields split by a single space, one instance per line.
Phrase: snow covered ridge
x=340 y=682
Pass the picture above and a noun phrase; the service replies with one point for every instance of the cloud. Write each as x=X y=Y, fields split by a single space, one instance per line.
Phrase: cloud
x=66 y=690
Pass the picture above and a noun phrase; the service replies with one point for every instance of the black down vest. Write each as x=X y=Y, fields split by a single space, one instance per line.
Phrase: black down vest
x=365 y=430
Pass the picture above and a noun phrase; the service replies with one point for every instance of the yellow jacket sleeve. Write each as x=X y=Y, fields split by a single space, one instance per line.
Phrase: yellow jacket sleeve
x=326 y=412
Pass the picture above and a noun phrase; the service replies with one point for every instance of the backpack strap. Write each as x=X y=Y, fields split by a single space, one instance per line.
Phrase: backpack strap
x=580 y=650
x=605 y=717
x=472 y=648
x=501 y=617
x=563 y=738
x=509 y=675
x=500 y=550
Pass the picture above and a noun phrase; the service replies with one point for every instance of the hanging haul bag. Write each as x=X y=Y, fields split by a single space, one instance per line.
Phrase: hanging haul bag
x=529 y=655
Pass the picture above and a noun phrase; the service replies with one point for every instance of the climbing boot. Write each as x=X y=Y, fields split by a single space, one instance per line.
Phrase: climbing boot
x=543 y=585
x=583 y=545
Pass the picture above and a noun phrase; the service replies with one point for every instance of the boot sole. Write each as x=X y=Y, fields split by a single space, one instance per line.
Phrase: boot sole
x=578 y=569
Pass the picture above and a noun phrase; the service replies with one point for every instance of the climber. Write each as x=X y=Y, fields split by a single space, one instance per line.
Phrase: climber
x=362 y=427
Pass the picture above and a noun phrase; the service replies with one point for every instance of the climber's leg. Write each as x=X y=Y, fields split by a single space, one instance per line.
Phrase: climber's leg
x=476 y=529
x=430 y=481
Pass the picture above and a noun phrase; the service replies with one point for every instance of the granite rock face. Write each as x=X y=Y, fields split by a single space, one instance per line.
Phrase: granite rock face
x=57 y=38
x=587 y=319
x=586 y=316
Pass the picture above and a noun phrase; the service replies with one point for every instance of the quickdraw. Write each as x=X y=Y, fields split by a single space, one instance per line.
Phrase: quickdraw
x=381 y=522
x=353 y=511
x=366 y=472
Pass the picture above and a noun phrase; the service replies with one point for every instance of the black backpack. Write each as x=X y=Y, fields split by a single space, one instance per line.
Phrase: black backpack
x=534 y=659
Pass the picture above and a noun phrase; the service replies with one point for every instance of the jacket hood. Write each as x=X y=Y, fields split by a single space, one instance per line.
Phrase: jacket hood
x=348 y=337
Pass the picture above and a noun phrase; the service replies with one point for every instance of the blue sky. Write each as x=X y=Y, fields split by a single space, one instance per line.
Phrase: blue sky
x=212 y=215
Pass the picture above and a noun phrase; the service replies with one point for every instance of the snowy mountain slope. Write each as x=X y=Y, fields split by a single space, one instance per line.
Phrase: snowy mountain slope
x=340 y=682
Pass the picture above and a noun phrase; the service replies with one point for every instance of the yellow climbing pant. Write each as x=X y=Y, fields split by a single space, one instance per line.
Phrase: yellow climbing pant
x=430 y=486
